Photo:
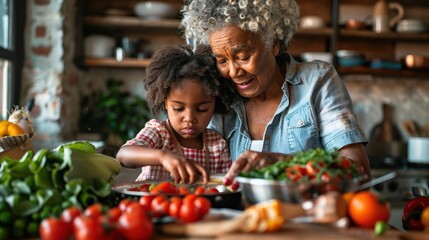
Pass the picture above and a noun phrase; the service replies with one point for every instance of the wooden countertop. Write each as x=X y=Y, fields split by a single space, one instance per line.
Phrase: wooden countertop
x=303 y=231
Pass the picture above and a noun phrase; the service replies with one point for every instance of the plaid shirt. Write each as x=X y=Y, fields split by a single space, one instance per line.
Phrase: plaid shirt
x=156 y=135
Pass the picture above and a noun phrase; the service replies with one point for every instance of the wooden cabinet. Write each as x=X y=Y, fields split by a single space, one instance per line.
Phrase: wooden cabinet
x=329 y=39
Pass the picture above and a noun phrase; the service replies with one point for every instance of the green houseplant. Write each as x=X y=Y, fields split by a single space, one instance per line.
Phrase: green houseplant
x=115 y=114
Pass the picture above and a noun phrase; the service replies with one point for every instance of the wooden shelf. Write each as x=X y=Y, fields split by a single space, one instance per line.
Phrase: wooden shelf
x=312 y=32
x=112 y=62
x=361 y=70
x=393 y=36
x=130 y=22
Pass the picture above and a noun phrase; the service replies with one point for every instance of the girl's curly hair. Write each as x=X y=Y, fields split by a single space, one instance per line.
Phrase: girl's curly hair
x=270 y=19
x=172 y=64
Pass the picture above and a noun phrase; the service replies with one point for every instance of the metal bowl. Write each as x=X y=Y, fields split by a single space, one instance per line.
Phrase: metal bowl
x=256 y=190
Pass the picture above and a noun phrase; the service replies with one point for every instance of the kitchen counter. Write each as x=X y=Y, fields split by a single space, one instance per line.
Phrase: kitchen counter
x=300 y=231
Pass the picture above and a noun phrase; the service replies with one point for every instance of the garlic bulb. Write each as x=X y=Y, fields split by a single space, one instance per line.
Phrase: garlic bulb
x=22 y=118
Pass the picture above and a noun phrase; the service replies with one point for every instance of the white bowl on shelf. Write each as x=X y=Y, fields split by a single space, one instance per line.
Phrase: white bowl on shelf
x=155 y=10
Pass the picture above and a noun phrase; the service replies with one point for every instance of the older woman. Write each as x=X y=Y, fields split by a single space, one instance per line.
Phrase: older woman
x=286 y=106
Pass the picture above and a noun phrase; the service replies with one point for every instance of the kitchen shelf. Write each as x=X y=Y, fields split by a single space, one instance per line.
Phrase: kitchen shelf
x=129 y=22
x=393 y=36
x=112 y=62
x=315 y=32
x=362 y=70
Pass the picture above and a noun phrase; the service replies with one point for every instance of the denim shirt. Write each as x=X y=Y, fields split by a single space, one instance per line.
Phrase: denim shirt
x=315 y=111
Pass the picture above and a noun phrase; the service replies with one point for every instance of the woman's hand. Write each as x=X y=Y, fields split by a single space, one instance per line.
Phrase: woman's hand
x=251 y=160
x=183 y=170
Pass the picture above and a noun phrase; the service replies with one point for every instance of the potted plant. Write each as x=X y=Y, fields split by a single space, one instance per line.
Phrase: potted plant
x=115 y=114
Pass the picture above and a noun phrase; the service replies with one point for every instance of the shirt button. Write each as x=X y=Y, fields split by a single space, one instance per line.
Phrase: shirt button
x=300 y=122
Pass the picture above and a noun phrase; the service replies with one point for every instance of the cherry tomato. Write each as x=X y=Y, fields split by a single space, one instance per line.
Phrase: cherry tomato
x=114 y=214
x=124 y=203
x=203 y=204
x=146 y=201
x=54 y=228
x=366 y=208
x=135 y=226
x=190 y=198
x=345 y=163
x=189 y=213
x=69 y=214
x=160 y=206
x=86 y=228
x=314 y=167
x=199 y=190
x=95 y=210
x=174 y=208
x=295 y=172
x=183 y=190
x=212 y=190
x=164 y=187
x=136 y=207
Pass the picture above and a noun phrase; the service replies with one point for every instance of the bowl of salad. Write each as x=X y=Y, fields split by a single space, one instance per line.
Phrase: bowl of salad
x=304 y=176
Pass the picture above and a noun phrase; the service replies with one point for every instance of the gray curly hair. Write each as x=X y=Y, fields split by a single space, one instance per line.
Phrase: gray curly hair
x=270 y=19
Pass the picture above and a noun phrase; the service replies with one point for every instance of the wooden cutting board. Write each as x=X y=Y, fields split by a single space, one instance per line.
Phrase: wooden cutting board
x=314 y=231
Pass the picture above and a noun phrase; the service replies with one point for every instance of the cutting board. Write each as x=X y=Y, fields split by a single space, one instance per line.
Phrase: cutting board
x=319 y=232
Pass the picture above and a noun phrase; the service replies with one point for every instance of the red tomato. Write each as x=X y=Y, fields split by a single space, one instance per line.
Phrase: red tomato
x=345 y=163
x=160 y=206
x=212 y=190
x=366 y=208
x=135 y=226
x=87 y=228
x=189 y=213
x=54 y=228
x=114 y=214
x=314 y=167
x=164 y=187
x=190 y=198
x=295 y=172
x=174 y=208
x=69 y=214
x=136 y=207
x=199 y=190
x=124 y=203
x=183 y=190
x=95 y=210
x=146 y=201
x=203 y=204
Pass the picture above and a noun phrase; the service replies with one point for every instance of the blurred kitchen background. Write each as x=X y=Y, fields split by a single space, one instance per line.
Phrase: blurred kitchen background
x=83 y=62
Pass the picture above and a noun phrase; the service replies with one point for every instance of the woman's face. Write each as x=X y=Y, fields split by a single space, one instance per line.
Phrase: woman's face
x=189 y=109
x=242 y=57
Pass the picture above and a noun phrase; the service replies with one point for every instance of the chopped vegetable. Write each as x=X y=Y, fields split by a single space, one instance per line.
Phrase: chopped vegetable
x=313 y=165
x=380 y=228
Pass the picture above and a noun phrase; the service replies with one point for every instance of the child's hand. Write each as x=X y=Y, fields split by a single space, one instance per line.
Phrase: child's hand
x=183 y=170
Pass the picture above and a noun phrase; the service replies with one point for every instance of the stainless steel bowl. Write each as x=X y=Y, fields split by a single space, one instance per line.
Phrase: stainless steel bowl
x=256 y=190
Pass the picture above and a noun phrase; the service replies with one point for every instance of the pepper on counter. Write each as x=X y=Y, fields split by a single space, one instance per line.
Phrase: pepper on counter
x=411 y=219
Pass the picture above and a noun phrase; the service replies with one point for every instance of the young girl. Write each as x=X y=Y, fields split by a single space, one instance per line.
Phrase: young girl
x=187 y=87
